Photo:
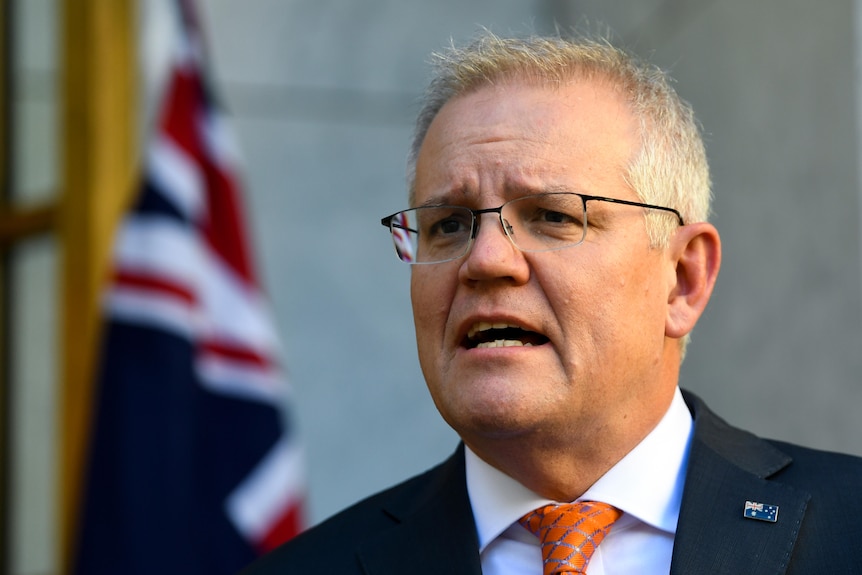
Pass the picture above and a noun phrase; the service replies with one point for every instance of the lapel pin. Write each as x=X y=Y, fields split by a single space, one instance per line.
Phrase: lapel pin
x=761 y=511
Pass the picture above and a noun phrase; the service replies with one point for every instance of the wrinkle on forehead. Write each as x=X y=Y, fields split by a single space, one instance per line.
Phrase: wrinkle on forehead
x=512 y=140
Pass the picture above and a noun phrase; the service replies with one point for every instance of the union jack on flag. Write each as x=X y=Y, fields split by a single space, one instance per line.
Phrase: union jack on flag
x=194 y=467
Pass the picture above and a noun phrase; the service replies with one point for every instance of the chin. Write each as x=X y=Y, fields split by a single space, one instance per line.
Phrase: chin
x=491 y=419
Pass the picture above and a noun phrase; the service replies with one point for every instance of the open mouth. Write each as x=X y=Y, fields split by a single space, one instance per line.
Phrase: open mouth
x=487 y=335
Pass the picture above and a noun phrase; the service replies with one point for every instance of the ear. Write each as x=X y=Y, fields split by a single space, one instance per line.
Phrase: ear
x=695 y=252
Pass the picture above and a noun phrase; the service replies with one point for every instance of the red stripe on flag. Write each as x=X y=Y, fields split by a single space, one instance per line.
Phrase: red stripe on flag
x=223 y=228
x=235 y=353
x=126 y=278
x=288 y=526
x=179 y=118
x=223 y=224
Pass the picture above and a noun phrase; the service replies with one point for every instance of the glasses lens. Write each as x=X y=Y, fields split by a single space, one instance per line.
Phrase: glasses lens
x=432 y=234
x=543 y=222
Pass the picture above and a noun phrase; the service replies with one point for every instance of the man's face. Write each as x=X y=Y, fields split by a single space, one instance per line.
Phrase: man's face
x=594 y=314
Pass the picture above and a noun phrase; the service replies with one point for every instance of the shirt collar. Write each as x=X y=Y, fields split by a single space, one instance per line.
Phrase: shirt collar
x=658 y=461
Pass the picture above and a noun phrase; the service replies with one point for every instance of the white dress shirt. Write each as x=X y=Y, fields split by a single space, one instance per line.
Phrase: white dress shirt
x=646 y=485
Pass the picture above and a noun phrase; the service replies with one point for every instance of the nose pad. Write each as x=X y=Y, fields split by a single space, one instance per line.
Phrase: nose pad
x=493 y=255
x=507 y=234
x=507 y=227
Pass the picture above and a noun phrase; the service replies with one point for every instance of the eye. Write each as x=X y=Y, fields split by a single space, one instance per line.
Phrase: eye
x=447 y=223
x=553 y=217
x=550 y=217
x=448 y=226
x=549 y=210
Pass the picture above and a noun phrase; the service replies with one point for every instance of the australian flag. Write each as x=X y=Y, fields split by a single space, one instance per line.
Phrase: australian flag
x=193 y=466
x=761 y=511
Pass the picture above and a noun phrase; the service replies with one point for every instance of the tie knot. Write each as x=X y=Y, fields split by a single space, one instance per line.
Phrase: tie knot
x=569 y=533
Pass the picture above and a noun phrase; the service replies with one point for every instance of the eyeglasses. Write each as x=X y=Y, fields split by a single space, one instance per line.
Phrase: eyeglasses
x=534 y=223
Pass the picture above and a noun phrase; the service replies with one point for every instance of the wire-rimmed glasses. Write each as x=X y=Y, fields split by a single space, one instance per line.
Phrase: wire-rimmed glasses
x=533 y=223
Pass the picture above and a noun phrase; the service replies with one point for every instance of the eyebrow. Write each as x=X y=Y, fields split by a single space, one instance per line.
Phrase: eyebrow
x=433 y=201
x=562 y=188
x=446 y=198
x=511 y=192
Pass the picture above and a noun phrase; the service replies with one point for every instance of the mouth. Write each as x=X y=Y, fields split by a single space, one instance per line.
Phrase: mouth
x=489 y=335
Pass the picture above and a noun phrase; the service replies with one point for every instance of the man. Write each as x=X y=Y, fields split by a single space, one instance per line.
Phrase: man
x=561 y=253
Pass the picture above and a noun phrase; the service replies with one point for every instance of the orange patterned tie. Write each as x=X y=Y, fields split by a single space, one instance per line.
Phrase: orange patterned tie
x=570 y=533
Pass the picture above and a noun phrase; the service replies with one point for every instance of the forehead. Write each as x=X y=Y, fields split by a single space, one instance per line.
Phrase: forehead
x=517 y=135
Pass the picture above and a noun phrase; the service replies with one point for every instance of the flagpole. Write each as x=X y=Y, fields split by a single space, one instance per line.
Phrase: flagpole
x=99 y=120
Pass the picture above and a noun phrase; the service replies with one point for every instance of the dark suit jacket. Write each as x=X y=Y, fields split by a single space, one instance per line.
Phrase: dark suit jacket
x=425 y=525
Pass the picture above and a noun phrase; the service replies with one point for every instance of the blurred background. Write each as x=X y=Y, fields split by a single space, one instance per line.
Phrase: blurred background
x=321 y=95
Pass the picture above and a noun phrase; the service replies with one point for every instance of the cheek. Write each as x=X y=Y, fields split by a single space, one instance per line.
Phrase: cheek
x=578 y=298
x=635 y=310
x=431 y=300
x=599 y=307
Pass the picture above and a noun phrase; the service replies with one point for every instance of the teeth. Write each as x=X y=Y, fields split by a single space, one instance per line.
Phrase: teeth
x=504 y=343
x=485 y=326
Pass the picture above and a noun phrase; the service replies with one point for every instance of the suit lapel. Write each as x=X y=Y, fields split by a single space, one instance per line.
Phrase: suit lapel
x=435 y=531
x=726 y=468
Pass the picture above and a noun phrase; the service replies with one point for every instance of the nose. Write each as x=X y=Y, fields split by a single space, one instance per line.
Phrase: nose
x=492 y=254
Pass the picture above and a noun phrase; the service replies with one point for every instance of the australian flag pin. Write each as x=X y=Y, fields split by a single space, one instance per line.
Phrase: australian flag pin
x=761 y=511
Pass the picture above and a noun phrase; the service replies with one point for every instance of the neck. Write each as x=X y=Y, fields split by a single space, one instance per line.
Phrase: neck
x=562 y=468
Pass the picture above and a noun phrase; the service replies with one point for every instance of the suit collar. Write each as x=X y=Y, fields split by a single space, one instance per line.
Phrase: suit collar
x=738 y=447
x=726 y=468
x=439 y=514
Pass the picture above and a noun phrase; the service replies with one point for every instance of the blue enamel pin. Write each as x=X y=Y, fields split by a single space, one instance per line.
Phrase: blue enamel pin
x=761 y=511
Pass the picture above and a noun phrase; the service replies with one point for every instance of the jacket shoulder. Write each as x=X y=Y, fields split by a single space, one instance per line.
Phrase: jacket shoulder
x=828 y=476
x=816 y=491
x=334 y=541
